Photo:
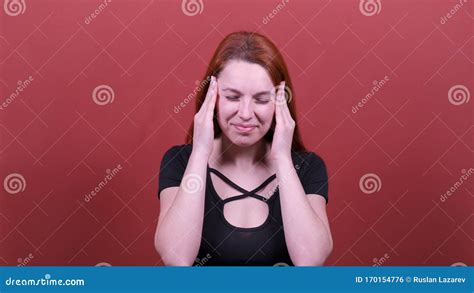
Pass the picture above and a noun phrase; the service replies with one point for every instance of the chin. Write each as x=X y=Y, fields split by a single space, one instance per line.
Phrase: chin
x=243 y=141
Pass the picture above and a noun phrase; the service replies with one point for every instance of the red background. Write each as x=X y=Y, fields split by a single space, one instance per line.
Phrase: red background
x=152 y=54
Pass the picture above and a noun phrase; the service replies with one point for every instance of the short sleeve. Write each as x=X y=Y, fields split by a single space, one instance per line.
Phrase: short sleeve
x=314 y=178
x=172 y=168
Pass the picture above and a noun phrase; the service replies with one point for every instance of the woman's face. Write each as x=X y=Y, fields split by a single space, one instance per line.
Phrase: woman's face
x=245 y=107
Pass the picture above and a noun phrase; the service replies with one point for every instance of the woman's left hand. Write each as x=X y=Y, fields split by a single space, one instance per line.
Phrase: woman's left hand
x=285 y=126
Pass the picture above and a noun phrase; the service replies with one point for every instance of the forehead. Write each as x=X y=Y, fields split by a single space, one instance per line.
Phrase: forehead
x=245 y=76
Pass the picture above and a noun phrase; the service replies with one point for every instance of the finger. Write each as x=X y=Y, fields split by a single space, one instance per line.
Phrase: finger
x=282 y=102
x=213 y=98
x=278 y=112
x=205 y=103
x=286 y=108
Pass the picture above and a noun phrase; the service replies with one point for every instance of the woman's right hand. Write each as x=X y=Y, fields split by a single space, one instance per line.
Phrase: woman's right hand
x=203 y=136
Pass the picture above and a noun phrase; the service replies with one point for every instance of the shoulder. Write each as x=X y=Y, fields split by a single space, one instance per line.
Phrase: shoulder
x=307 y=160
x=180 y=153
x=312 y=172
x=180 y=149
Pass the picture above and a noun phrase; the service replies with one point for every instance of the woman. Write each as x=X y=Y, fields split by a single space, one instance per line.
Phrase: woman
x=243 y=191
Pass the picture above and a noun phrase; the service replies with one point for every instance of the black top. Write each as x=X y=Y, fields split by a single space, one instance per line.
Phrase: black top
x=224 y=244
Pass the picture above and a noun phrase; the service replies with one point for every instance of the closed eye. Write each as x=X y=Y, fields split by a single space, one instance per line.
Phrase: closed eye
x=262 y=100
x=232 y=98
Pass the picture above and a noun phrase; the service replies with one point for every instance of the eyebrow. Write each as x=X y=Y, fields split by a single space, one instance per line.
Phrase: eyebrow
x=255 y=95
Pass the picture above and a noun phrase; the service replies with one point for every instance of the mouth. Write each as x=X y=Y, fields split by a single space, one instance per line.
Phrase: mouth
x=244 y=128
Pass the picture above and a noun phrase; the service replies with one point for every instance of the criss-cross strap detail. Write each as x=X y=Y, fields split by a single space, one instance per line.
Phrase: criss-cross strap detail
x=245 y=193
x=227 y=180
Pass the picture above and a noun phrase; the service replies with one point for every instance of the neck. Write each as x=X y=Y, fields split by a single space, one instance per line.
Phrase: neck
x=244 y=158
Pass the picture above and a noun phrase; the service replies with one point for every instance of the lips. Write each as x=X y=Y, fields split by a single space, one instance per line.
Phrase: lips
x=244 y=127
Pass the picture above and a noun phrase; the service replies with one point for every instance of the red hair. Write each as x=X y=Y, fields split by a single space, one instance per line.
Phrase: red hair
x=254 y=48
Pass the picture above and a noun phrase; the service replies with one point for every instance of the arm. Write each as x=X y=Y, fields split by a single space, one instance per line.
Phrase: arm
x=179 y=231
x=178 y=235
x=306 y=227
x=307 y=232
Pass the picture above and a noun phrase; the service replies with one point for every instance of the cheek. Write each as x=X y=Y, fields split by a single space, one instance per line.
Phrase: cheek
x=266 y=113
x=224 y=111
x=225 y=108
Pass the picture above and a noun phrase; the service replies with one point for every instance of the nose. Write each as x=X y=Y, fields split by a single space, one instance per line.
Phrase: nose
x=245 y=109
